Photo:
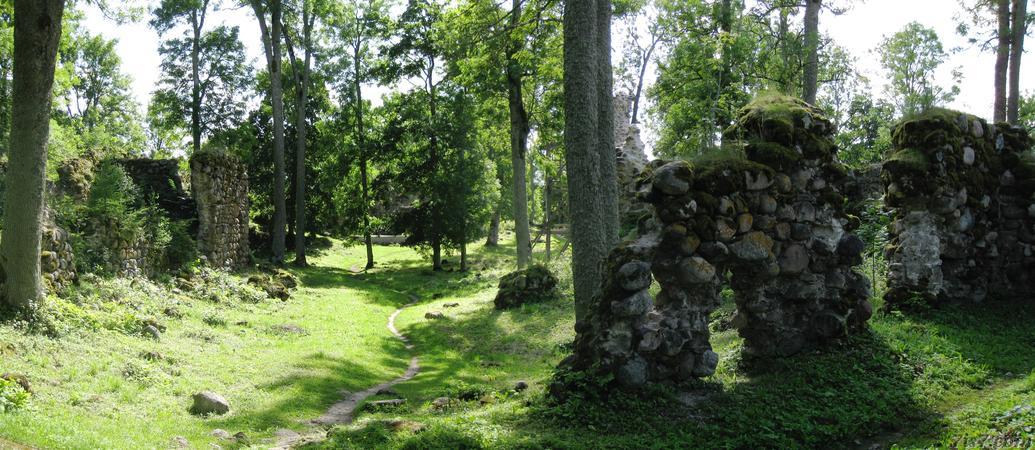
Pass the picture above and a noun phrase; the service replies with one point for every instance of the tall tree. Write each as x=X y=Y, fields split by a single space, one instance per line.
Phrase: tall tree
x=519 y=130
x=811 y=76
x=417 y=53
x=271 y=32
x=909 y=58
x=192 y=13
x=361 y=26
x=301 y=75
x=204 y=82
x=589 y=144
x=1019 y=30
x=1002 y=59
x=37 y=32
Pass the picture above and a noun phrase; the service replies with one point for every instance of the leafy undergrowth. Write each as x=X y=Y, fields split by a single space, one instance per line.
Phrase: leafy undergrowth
x=102 y=380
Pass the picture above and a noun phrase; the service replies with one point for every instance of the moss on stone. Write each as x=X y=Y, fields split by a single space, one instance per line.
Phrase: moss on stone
x=786 y=121
x=772 y=154
x=723 y=172
x=906 y=161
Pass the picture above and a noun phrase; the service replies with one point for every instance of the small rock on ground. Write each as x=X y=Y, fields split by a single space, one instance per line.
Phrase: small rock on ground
x=434 y=315
x=451 y=305
x=440 y=402
x=520 y=386
x=208 y=402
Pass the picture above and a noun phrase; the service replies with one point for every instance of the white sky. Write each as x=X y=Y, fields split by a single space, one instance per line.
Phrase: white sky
x=859 y=30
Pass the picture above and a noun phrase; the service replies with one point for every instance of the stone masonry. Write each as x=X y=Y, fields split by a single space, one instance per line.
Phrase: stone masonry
x=962 y=195
x=220 y=186
x=631 y=160
x=764 y=216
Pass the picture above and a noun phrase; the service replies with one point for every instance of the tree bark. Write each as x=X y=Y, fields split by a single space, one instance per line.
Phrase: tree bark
x=37 y=32
x=436 y=235
x=1019 y=29
x=585 y=107
x=606 y=131
x=1002 y=60
x=810 y=79
x=519 y=130
x=361 y=141
x=493 y=239
x=546 y=216
x=271 y=38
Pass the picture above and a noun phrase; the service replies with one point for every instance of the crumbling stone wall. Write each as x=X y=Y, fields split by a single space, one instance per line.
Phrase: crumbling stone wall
x=631 y=160
x=961 y=195
x=220 y=186
x=57 y=261
x=771 y=214
x=160 y=179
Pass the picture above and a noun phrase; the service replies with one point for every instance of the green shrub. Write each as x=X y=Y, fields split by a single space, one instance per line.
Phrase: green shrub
x=182 y=250
x=12 y=396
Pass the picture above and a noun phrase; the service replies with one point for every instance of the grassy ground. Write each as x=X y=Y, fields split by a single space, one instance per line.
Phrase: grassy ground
x=103 y=383
x=961 y=376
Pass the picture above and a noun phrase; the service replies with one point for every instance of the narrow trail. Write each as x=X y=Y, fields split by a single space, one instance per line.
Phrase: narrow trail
x=343 y=412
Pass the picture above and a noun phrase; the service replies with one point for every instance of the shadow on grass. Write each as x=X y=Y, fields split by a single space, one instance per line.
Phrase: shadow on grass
x=316 y=383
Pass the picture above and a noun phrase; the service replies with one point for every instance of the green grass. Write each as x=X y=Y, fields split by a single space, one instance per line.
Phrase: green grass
x=944 y=377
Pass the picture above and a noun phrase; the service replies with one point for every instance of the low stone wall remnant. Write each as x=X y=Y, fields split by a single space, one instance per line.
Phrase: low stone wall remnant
x=765 y=216
x=962 y=196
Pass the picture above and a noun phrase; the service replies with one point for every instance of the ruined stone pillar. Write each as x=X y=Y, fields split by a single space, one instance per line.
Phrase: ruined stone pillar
x=769 y=211
x=219 y=184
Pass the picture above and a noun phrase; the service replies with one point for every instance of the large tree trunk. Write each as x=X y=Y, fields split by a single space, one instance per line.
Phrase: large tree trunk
x=271 y=37
x=493 y=239
x=588 y=122
x=810 y=79
x=1002 y=60
x=37 y=32
x=1020 y=14
x=519 y=130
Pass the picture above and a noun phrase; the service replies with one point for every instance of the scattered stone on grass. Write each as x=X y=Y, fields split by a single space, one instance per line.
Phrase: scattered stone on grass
x=520 y=386
x=220 y=433
x=440 y=403
x=152 y=332
x=180 y=442
x=451 y=305
x=208 y=402
x=434 y=315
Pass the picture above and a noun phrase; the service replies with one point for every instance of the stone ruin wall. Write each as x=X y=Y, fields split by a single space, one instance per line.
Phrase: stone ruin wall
x=772 y=217
x=220 y=187
x=631 y=160
x=960 y=192
x=160 y=179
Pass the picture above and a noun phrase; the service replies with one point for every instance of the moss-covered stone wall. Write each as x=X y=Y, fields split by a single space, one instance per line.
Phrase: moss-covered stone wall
x=764 y=216
x=220 y=186
x=961 y=195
